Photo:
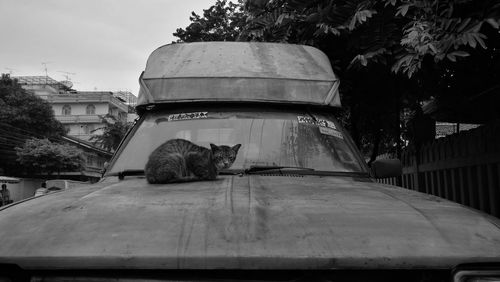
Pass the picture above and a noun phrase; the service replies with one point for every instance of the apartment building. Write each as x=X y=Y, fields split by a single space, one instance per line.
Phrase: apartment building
x=79 y=111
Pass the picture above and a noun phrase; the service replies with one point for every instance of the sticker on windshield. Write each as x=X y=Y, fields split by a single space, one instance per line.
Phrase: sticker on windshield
x=317 y=122
x=330 y=132
x=187 y=116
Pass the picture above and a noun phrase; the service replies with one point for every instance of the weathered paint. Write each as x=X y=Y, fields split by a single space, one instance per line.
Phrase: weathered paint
x=245 y=222
x=239 y=71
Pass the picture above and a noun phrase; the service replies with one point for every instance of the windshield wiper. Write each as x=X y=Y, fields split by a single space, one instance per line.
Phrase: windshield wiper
x=261 y=168
x=230 y=172
x=127 y=172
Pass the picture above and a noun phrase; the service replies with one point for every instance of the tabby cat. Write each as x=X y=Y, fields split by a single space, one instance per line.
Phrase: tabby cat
x=180 y=160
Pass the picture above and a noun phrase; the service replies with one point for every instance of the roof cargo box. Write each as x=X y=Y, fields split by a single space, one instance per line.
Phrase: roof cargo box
x=238 y=72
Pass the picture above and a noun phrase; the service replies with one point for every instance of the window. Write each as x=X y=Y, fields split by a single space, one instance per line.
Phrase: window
x=90 y=160
x=269 y=138
x=66 y=110
x=90 y=109
x=87 y=129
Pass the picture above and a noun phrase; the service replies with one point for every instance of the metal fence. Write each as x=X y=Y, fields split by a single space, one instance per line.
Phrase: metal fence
x=463 y=167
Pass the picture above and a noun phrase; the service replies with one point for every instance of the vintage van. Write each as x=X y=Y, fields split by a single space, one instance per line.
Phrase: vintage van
x=298 y=204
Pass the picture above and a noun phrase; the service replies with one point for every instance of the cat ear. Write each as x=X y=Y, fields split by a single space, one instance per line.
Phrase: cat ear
x=213 y=147
x=236 y=147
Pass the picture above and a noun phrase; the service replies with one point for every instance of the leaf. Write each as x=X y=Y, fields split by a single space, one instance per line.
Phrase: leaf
x=451 y=57
x=479 y=37
x=358 y=59
x=433 y=48
x=280 y=19
x=390 y=2
x=471 y=40
x=360 y=17
x=493 y=23
x=460 y=54
x=402 y=10
x=313 y=18
x=463 y=25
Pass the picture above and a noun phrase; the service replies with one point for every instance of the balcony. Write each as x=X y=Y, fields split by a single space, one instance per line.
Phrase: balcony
x=87 y=98
x=79 y=119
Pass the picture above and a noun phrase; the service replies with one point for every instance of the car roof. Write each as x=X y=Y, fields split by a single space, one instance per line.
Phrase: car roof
x=238 y=72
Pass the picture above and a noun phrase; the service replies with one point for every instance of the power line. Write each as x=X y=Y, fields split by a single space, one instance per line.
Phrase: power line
x=29 y=134
x=14 y=135
x=7 y=135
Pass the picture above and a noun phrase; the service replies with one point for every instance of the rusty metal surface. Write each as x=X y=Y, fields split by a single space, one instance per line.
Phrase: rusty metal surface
x=239 y=71
x=247 y=222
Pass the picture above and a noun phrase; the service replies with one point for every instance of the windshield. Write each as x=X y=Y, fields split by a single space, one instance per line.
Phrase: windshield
x=267 y=138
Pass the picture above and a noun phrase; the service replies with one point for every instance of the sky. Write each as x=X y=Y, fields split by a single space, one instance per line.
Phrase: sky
x=97 y=44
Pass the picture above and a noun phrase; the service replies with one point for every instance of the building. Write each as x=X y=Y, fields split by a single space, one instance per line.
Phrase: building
x=79 y=111
x=44 y=85
x=128 y=98
x=95 y=160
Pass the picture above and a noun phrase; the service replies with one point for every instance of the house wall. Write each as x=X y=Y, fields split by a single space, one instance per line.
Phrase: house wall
x=41 y=90
x=79 y=123
x=24 y=189
x=83 y=131
x=27 y=187
x=80 y=108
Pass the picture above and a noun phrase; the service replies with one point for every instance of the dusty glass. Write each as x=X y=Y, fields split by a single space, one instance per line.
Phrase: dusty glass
x=268 y=138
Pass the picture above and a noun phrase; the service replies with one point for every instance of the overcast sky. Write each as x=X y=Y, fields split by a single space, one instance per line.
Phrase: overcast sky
x=104 y=42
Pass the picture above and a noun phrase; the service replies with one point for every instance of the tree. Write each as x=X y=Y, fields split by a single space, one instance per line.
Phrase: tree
x=399 y=33
x=113 y=132
x=221 y=22
x=26 y=111
x=366 y=40
x=22 y=115
x=44 y=156
x=390 y=55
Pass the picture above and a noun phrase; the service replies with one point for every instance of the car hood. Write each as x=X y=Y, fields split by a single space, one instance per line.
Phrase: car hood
x=245 y=222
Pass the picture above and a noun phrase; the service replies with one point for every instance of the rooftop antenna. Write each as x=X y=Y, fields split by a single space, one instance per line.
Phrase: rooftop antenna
x=67 y=74
x=45 y=68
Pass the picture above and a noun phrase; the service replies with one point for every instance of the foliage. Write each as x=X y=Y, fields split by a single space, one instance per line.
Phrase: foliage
x=24 y=110
x=221 y=22
x=22 y=115
x=390 y=55
x=42 y=155
x=367 y=39
x=399 y=33
x=113 y=132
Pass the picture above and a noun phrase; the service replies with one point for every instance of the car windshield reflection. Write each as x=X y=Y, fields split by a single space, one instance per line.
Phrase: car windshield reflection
x=270 y=139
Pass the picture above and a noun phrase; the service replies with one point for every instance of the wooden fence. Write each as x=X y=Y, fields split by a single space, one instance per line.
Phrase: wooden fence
x=463 y=167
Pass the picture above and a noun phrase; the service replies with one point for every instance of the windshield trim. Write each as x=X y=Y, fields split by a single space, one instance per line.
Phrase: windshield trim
x=122 y=145
x=223 y=107
x=271 y=172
